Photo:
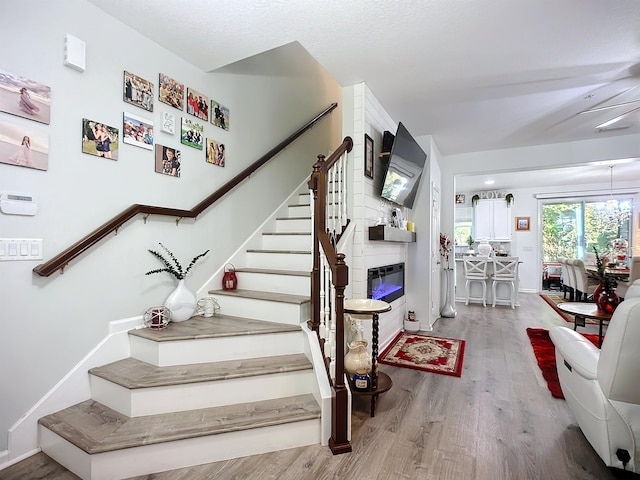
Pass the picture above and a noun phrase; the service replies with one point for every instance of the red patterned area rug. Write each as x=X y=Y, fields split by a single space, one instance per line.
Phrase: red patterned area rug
x=426 y=353
x=545 y=352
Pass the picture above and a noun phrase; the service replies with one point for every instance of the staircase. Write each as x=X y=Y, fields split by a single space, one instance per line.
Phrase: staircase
x=208 y=389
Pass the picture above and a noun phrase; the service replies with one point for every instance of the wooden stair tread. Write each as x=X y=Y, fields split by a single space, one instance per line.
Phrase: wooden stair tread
x=265 y=250
x=294 y=218
x=212 y=327
x=268 y=271
x=260 y=295
x=134 y=374
x=308 y=234
x=95 y=428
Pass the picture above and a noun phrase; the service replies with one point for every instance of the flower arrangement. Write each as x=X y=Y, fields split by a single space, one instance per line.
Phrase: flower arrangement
x=174 y=267
x=608 y=283
x=446 y=246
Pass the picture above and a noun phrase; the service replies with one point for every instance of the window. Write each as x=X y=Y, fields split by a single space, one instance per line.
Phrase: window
x=572 y=229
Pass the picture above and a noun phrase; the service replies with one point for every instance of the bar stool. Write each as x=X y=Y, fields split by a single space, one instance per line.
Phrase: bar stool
x=475 y=270
x=505 y=270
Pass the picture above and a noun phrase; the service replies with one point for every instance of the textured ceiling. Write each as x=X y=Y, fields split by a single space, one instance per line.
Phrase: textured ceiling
x=475 y=74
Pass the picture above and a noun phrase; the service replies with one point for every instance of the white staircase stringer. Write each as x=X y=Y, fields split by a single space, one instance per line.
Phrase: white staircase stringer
x=324 y=394
x=74 y=387
x=255 y=240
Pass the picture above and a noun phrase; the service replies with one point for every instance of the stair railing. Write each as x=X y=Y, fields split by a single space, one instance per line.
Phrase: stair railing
x=329 y=277
x=60 y=261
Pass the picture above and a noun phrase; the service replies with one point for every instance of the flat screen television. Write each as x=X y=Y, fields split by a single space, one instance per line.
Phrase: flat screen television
x=402 y=176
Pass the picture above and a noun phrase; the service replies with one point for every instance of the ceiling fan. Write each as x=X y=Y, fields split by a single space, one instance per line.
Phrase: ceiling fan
x=610 y=124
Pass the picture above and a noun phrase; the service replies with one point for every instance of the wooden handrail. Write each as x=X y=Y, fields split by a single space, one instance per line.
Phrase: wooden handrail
x=62 y=259
x=339 y=441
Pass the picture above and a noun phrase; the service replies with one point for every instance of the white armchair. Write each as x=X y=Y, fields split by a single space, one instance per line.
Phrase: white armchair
x=602 y=387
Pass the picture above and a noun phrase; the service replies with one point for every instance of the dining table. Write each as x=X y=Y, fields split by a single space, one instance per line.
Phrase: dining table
x=619 y=273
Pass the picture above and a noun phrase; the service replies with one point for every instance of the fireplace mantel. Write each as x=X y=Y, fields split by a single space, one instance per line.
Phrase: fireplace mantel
x=391 y=234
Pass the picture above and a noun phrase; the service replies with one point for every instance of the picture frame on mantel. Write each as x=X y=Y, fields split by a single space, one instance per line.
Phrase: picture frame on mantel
x=523 y=223
x=368 y=156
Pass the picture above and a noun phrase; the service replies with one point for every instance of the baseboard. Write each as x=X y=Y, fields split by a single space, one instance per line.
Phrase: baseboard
x=5 y=463
x=73 y=388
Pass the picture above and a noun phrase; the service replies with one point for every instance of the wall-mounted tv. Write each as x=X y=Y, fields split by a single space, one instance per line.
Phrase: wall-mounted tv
x=402 y=176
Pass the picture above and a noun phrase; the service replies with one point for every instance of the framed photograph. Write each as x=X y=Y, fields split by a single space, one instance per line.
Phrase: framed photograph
x=191 y=134
x=219 y=115
x=138 y=91
x=197 y=104
x=99 y=139
x=138 y=131
x=171 y=92
x=459 y=198
x=368 y=156
x=23 y=146
x=167 y=160
x=24 y=98
x=523 y=223
x=168 y=123
x=215 y=152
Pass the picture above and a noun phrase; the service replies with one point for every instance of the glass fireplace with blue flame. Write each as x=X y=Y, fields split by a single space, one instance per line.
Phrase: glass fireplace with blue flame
x=386 y=283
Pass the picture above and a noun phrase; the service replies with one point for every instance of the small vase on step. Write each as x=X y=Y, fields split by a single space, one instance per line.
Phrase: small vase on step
x=181 y=302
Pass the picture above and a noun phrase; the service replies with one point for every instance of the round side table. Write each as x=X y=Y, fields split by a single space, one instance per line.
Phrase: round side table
x=365 y=309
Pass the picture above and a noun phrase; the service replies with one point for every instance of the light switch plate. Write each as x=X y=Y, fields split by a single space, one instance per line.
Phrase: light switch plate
x=13 y=249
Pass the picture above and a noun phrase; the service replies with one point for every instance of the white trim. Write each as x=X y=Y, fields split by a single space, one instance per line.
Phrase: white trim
x=214 y=281
x=73 y=388
x=7 y=464
x=587 y=193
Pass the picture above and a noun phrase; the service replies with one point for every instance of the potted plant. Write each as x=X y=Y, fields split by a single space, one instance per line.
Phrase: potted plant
x=475 y=199
x=509 y=199
x=470 y=243
x=181 y=302
x=605 y=293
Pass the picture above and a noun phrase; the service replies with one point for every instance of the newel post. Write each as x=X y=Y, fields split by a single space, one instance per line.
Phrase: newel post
x=339 y=441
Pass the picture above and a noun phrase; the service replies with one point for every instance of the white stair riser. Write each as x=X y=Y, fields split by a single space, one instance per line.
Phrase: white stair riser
x=204 y=350
x=263 y=282
x=299 y=210
x=298 y=225
x=193 y=396
x=280 y=312
x=280 y=261
x=304 y=197
x=144 y=460
x=287 y=242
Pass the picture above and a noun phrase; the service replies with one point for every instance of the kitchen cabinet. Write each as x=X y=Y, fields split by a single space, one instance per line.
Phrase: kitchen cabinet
x=492 y=220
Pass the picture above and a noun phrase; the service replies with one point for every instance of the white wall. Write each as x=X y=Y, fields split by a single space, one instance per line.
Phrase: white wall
x=425 y=253
x=367 y=115
x=49 y=324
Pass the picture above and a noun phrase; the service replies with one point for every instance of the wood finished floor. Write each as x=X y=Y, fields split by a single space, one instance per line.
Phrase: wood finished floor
x=497 y=422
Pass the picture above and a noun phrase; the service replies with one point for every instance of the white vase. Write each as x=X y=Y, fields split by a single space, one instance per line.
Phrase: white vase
x=448 y=309
x=181 y=302
x=484 y=248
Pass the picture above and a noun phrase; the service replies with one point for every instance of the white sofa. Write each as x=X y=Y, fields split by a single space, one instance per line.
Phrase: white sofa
x=602 y=387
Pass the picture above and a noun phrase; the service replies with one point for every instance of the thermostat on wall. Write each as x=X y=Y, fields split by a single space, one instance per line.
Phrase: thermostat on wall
x=17 y=204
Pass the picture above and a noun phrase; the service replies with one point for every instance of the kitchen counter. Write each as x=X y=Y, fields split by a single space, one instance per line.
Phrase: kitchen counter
x=502 y=290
